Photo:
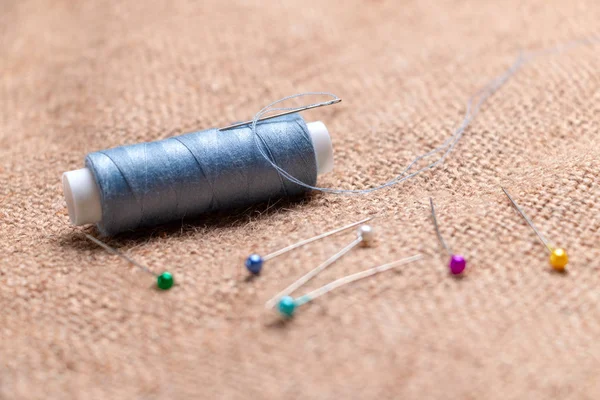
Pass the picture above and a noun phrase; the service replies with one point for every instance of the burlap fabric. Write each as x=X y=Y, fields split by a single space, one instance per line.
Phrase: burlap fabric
x=77 y=322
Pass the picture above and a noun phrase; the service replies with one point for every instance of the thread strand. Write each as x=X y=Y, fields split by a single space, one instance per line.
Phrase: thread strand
x=473 y=106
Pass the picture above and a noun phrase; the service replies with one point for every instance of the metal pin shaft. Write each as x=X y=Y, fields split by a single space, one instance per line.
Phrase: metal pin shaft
x=526 y=218
x=288 y=290
x=118 y=253
x=353 y=278
x=312 y=239
x=437 y=228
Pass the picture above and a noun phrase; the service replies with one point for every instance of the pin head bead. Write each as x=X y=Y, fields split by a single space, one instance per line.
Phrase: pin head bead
x=254 y=263
x=558 y=259
x=286 y=306
x=367 y=234
x=457 y=264
x=165 y=281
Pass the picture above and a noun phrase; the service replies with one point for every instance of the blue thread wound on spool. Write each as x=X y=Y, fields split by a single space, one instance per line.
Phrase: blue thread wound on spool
x=153 y=183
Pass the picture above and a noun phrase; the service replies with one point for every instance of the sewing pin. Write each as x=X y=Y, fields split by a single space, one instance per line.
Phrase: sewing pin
x=164 y=281
x=365 y=237
x=558 y=256
x=255 y=262
x=287 y=305
x=457 y=262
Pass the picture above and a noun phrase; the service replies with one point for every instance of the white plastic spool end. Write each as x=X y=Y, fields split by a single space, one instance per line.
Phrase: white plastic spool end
x=82 y=196
x=323 y=146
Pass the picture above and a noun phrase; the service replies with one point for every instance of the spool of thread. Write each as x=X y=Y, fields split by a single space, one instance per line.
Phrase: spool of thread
x=148 y=184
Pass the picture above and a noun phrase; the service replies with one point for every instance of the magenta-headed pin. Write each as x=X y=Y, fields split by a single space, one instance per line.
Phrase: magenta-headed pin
x=457 y=264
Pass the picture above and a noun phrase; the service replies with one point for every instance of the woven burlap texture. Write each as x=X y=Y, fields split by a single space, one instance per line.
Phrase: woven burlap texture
x=78 y=322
